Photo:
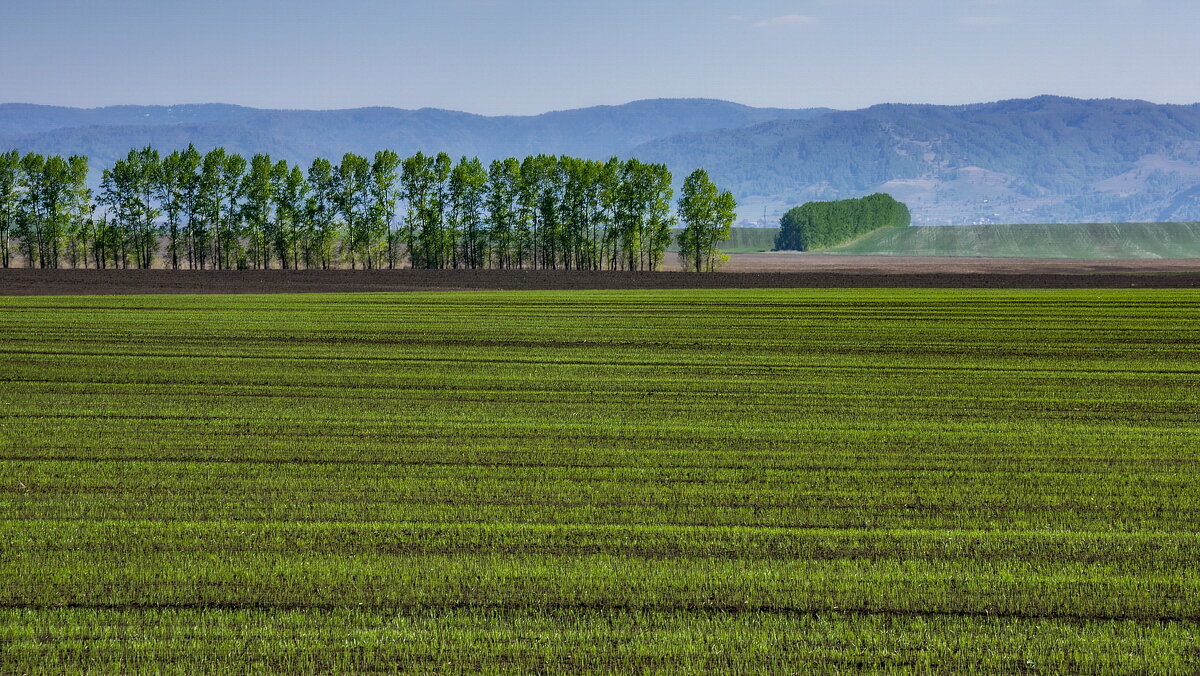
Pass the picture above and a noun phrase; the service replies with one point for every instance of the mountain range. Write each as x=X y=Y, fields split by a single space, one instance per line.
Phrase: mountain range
x=1042 y=160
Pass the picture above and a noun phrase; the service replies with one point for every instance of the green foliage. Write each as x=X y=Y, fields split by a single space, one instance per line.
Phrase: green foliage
x=1044 y=147
x=220 y=211
x=257 y=197
x=468 y=192
x=10 y=196
x=819 y=225
x=44 y=204
x=708 y=217
x=946 y=481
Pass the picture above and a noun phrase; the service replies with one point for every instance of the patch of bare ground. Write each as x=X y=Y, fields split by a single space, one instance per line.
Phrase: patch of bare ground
x=766 y=270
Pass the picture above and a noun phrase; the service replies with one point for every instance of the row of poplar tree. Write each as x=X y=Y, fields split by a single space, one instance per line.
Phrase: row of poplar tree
x=216 y=210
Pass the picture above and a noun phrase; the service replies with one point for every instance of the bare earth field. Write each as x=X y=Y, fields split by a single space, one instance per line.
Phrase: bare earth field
x=758 y=270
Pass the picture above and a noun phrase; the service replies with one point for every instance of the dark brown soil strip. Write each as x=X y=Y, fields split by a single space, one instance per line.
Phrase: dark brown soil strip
x=1032 y=275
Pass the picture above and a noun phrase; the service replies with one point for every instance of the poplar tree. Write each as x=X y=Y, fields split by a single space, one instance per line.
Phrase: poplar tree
x=468 y=186
x=55 y=189
x=79 y=210
x=30 y=216
x=258 y=193
x=423 y=181
x=320 y=214
x=143 y=167
x=187 y=171
x=642 y=213
x=659 y=221
x=229 y=245
x=384 y=195
x=210 y=199
x=707 y=215
x=541 y=212
x=174 y=188
x=290 y=196
x=352 y=201
x=502 y=190
x=10 y=197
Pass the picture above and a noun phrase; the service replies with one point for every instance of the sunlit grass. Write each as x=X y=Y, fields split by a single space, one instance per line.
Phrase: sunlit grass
x=668 y=481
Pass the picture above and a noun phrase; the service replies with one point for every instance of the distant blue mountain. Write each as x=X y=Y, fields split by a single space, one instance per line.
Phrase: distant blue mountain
x=301 y=135
x=1040 y=160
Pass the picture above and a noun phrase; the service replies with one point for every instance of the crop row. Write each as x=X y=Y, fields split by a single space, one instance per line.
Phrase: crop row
x=597 y=481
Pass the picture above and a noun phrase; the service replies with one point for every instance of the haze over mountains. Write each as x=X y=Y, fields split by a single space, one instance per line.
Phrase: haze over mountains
x=1042 y=160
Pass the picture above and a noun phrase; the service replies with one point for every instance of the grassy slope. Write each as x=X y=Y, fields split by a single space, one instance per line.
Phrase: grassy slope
x=736 y=481
x=1085 y=240
x=742 y=240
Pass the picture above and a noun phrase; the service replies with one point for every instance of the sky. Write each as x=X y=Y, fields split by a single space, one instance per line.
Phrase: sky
x=501 y=57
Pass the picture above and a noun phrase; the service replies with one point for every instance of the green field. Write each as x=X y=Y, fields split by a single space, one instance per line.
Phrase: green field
x=741 y=240
x=673 y=481
x=1075 y=240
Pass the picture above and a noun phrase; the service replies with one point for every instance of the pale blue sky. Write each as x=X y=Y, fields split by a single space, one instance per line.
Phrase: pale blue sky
x=529 y=56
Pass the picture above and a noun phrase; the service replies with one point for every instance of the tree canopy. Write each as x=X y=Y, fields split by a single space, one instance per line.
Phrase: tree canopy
x=220 y=210
x=820 y=225
x=707 y=214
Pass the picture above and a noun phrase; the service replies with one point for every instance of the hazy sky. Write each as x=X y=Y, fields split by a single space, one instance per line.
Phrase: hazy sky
x=529 y=56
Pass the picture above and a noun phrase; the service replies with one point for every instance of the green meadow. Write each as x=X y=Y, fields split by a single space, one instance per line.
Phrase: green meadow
x=596 y=482
x=1068 y=240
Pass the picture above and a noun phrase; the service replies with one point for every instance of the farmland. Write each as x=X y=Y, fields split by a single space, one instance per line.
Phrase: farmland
x=1094 y=241
x=741 y=240
x=596 y=481
x=1071 y=240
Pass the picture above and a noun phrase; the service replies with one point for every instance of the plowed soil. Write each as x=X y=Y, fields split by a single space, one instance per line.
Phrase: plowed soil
x=766 y=270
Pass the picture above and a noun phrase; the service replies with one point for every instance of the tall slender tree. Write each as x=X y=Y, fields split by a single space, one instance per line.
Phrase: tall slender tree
x=352 y=201
x=10 y=199
x=187 y=171
x=32 y=217
x=384 y=195
x=468 y=184
x=320 y=215
x=291 y=193
x=128 y=190
x=503 y=187
x=258 y=194
x=229 y=243
x=79 y=210
x=423 y=181
x=707 y=215
x=210 y=198
x=172 y=186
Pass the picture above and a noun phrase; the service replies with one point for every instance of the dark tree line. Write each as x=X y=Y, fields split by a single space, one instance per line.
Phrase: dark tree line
x=218 y=210
x=819 y=225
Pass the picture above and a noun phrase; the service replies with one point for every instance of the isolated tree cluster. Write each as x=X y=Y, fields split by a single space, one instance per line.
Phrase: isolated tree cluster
x=218 y=210
x=819 y=225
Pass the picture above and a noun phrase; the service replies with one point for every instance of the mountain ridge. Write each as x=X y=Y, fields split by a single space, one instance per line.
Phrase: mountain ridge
x=1046 y=159
x=1042 y=159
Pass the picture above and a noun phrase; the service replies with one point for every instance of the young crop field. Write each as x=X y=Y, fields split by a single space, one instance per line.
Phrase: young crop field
x=741 y=240
x=682 y=481
x=1067 y=240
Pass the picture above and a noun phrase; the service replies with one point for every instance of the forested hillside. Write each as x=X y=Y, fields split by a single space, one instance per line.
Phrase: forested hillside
x=1041 y=160
x=1047 y=159
x=299 y=136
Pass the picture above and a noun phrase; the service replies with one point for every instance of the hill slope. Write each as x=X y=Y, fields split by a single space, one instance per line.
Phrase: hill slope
x=1047 y=159
x=1081 y=240
x=1041 y=160
x=301 y=135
